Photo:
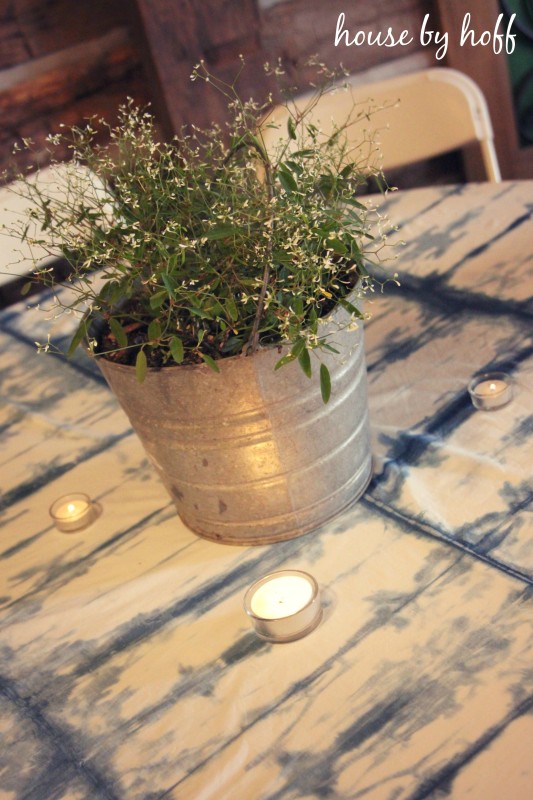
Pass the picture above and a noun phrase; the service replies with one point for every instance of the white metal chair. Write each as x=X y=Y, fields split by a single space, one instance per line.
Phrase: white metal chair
x=19 y=259
x=416 y=116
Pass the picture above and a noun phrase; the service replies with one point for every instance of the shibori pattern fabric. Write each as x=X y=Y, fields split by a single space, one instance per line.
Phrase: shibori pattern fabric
x=128 y=670
x=465 y=306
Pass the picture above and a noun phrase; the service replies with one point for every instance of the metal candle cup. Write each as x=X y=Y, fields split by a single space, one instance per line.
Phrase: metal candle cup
x=491 y=390
x=73 y=512
x=284 y=606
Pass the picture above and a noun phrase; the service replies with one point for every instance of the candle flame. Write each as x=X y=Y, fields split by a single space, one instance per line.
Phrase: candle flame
x=492 y=387
x=71 y=508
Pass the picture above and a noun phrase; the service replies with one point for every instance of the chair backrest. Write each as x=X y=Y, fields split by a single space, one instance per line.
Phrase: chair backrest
x=416 y=116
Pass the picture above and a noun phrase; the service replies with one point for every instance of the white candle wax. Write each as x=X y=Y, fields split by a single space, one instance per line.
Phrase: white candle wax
x=284 y=606
x=73 y=512
x=281 y=597
x=491 y=391
x=490 y=388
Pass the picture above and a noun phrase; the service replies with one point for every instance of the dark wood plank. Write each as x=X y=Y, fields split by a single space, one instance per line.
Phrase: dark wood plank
x=175 y=34
x=50 y=25
x=49 y=84
x=13 y=47
x=300 y=28
x=103 y=102
x=61 y=62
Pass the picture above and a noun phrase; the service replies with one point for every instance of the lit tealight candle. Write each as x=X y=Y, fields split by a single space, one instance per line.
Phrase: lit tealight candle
x=491 y=390
x=284 y=606
x=73 y=512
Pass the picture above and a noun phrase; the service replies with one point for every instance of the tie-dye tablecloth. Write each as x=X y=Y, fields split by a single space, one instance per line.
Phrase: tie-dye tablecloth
x=128 y=669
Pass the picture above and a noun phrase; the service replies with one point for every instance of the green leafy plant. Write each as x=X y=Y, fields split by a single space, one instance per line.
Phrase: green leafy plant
x=210 y=245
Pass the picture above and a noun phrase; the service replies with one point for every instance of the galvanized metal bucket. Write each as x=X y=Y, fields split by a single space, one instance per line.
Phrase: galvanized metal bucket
x=252 y=455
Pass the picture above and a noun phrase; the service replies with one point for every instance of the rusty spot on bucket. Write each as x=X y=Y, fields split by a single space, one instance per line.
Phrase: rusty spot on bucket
x=177 y=493
x=222 y=506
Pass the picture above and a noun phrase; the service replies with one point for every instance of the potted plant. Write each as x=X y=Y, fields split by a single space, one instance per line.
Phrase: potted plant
x=218 y=283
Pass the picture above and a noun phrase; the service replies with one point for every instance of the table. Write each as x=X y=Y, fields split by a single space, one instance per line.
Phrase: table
x=128 y=667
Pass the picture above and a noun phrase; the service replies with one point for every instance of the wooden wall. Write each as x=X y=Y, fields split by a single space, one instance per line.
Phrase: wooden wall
x=63 y=60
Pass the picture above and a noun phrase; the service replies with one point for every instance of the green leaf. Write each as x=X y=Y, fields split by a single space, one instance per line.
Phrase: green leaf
x=328 y=347
x=281 y=257
x=326 y=184
x=215 y=308
x=286 y=179
x=221 y=232
x=291 y=128
x=118 y=332
x=111 y=291
x=304 y=360
x=47 y=215
x=233 y=345
x=285 y=360
x=141 y=366
x=78 y=336
x=380 y=184
x=351 y=308
x=170 y=283
x=349 y=213
x=231 y=308
x=297 y=348
x=353 y=202
x=157 y=299
x=355 y=251
x=333 y=139
x=258 y=146
x=325 y=383
x=337 y=246
x=306 y=153
x=294 y=166
x=176 y=349
x=203 y=313
x=26 y=288
x=154 y=330
x=210 y=362
x=298 y=305
x=235 y=142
